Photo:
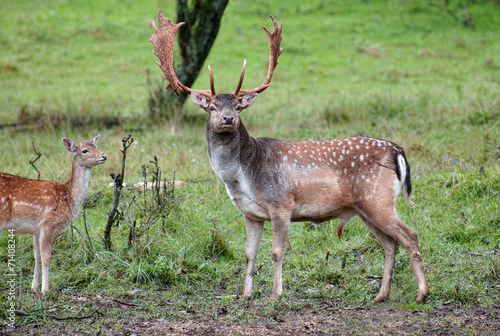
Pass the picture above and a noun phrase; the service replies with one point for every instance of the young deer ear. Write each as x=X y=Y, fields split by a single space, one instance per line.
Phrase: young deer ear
x=199 y=100
x=70 y=146
x=95 y=140
x=248 y=100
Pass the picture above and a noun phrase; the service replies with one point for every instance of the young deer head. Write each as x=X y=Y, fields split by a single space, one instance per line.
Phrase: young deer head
x=45 y=208
x=282 y=181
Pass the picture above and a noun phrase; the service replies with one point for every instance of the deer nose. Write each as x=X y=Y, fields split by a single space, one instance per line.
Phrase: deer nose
x=228 y=119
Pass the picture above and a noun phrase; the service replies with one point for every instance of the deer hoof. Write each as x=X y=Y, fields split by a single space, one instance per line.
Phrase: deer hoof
x=421 y=298
x=379 y=299
x=36 y=293
x=244 y=298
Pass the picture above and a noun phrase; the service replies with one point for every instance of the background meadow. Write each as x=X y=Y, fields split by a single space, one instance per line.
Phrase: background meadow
x=412 y=72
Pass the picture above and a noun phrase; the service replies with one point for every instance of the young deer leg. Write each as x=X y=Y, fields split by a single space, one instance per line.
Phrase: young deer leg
x=35 y=285
x=395 y=228
x=46 y=256
x=280 y=226
x=390 y=248
x=254 y=235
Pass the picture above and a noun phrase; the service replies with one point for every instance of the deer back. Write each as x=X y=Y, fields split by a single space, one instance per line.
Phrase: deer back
x=24 y=202
x=344 y=172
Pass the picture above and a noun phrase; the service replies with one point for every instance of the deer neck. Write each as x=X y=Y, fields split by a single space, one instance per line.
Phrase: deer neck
x=231 y=153
x=77 y=186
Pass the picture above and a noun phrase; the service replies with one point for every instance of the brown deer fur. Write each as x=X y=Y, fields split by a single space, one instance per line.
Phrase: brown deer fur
x=285 y=181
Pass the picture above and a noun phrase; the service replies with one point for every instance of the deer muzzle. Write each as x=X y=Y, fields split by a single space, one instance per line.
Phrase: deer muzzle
x=228 y=119
x=103 y=158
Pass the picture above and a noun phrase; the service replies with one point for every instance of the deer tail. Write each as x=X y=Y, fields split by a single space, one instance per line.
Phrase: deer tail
x=404 y=175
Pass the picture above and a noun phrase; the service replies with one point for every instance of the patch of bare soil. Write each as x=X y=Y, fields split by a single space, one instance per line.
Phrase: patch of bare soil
x=382 y=319
x=375 y=320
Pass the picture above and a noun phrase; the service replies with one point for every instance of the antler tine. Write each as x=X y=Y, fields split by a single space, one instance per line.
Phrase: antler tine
x=275 y=51
x=163 y=40
x=241 y=77
x=212 y=86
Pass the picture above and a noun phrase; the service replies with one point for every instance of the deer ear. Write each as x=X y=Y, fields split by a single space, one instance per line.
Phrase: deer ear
x=95 y=140
x=199 y=100
x=248 y=100
x=70 y=146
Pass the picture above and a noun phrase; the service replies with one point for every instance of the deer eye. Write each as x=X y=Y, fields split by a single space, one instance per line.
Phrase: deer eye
x=213 y=108
x=85 y=151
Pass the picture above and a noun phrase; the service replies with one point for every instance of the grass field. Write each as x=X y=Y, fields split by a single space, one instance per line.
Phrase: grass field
x=407 y=71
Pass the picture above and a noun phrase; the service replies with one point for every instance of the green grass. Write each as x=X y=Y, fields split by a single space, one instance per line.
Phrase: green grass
x=435 y=91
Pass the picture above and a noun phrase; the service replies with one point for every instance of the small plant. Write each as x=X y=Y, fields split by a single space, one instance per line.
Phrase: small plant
x=217 y=245
x=148 y=204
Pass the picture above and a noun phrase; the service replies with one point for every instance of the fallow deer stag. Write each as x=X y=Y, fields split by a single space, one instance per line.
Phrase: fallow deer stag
x=286 y=181
x=45 y=208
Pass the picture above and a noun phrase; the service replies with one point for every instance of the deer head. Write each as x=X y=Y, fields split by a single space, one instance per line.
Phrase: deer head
x=85 y=152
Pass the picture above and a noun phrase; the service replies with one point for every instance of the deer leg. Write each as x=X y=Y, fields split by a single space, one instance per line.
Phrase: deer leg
x=254 y=235
x=393 y=226
x=411 y=245
x=408 y=238
x=35 y=285
x=46 y=256
x=390 y=249
x=280 y=226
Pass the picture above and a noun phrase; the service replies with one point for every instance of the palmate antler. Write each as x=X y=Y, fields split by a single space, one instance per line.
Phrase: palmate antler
x=163 y=40
x=275 y=51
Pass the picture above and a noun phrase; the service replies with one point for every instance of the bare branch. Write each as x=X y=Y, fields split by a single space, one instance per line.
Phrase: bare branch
x=38 y=155
x=113 y=214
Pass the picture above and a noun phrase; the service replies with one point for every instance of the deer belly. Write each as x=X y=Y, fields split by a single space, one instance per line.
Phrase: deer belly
x=316 y=213
x=20 y=226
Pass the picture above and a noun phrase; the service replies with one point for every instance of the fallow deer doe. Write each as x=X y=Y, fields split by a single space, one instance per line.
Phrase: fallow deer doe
x=286 y=181
x=45 y=208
